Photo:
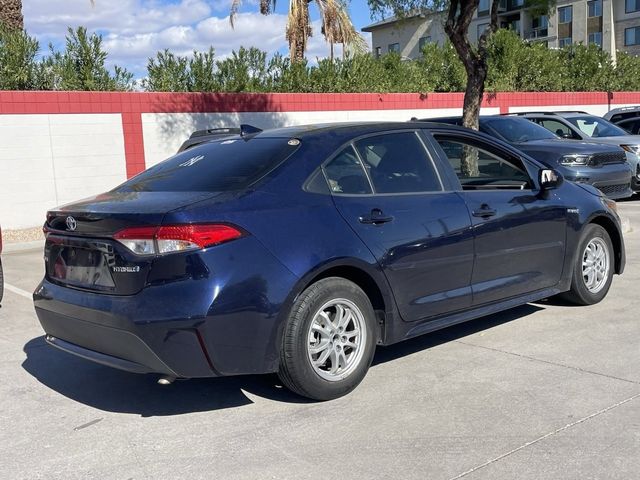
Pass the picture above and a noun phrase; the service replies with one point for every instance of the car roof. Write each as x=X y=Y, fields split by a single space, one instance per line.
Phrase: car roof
x=625 y=109
x=347 y=129
x=445 y=120
x=621 y=111
x=340 y=131
x=563 y=114
x=353 y=128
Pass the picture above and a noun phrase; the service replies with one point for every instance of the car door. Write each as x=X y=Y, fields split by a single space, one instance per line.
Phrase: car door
x=519 y=233
x=388 y=189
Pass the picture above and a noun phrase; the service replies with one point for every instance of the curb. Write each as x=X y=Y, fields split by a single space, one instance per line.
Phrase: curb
x=8 y=248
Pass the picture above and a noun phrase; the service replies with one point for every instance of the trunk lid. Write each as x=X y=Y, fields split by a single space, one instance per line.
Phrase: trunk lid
x=80 y=251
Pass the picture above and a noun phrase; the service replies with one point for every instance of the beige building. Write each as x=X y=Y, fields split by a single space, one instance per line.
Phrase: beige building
x=611 y=24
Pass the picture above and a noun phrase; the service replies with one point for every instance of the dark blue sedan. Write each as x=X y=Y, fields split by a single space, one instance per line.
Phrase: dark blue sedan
x=298 y=250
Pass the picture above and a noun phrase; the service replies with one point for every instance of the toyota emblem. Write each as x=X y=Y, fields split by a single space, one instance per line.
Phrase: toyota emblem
x=71 y=224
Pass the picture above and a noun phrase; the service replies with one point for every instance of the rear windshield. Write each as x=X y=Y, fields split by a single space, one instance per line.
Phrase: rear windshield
x=518 y=130
x=231 y=164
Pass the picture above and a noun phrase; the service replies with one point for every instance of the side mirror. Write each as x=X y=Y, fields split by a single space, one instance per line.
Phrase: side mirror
x=567 y=136
x=549 y=179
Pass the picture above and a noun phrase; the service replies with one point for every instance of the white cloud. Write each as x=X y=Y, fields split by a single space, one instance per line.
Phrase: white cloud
x=135 y=30
x=123 y=16
x=251 y=29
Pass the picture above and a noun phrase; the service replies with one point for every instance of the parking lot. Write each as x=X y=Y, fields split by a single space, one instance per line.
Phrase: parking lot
x=543 y=391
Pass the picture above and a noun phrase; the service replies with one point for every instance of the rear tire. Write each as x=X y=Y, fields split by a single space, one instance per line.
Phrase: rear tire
x=329 y=340
x=593 y=267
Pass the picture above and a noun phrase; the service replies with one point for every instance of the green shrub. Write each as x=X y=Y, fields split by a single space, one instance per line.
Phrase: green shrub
x=514 y=65
x=19 y=68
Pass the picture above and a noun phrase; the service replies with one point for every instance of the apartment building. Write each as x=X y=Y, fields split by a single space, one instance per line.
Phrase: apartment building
x=611 y=24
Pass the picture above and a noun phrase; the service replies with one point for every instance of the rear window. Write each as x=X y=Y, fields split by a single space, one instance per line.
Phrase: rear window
x=231 y=164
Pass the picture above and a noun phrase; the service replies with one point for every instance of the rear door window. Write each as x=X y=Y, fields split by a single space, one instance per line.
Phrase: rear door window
x=398 y=163
x=224 y=165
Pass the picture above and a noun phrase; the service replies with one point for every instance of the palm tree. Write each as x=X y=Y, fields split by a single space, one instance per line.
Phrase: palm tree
x=11 y=14
x=336 y=24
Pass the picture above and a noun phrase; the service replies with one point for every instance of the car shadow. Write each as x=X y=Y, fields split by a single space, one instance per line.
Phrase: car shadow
x=113 y=390
x=425 y=342
x=557 y=301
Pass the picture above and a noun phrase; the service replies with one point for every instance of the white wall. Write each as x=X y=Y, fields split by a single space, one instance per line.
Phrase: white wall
x=48 y=160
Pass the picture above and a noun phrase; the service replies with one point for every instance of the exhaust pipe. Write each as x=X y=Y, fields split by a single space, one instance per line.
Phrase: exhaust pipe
x=166 y=380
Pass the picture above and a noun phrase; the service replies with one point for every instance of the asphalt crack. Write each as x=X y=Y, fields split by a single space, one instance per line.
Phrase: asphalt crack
x=549 y=362
x=550 y=434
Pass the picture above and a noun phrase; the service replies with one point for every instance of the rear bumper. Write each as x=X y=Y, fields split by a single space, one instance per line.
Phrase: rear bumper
x=147 y=349
x=222 y=318
x=97 y=357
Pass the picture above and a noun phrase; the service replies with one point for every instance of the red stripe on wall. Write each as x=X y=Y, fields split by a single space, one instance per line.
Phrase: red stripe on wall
x=133 y=142
x=140 y=102
x=131 y=105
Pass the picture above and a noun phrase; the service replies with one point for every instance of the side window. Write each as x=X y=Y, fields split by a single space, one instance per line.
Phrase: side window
x=346 y=175
x=558 y=128
x=398 y=163
x=632 y=126
x=479 y=169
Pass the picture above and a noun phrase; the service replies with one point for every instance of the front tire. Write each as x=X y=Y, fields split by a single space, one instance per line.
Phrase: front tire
x=329 y=340
x=593 y=267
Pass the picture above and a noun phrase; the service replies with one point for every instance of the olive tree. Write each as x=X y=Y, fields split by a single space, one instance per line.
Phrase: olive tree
x=457 y=16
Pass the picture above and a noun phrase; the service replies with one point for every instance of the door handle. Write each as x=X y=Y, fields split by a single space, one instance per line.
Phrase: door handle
x=484 y=211
x=376 y=217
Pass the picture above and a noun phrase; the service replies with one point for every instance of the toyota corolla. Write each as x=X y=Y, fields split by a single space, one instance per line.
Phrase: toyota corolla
x=299 y=250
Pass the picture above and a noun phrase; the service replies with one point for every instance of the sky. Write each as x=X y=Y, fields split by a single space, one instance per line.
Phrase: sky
x=134 y=30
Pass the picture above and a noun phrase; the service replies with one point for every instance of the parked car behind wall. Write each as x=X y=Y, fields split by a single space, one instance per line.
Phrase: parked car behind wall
x=603 y=166
x=590 y=128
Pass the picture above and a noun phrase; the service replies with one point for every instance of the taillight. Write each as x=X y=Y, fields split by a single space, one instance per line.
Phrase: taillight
x=140 y=240
x=175 y=238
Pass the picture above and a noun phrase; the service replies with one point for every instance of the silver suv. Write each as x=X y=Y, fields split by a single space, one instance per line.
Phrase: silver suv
x=586 y=127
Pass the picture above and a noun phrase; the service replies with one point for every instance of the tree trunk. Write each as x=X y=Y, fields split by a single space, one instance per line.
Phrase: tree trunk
x=298 y=30
x=11 y=14
x=475 y=65
x=473 y=95
x=471 y=116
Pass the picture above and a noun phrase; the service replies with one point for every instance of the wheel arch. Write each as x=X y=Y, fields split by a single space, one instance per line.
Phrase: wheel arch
x=370 y=279
x=616 y=238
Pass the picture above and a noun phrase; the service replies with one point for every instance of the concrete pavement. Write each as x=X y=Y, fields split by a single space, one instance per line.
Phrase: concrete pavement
x=543 y=391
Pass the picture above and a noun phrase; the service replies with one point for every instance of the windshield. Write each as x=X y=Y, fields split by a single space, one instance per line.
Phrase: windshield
x=223 y=165
x=596 y=126
x=518 y=130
